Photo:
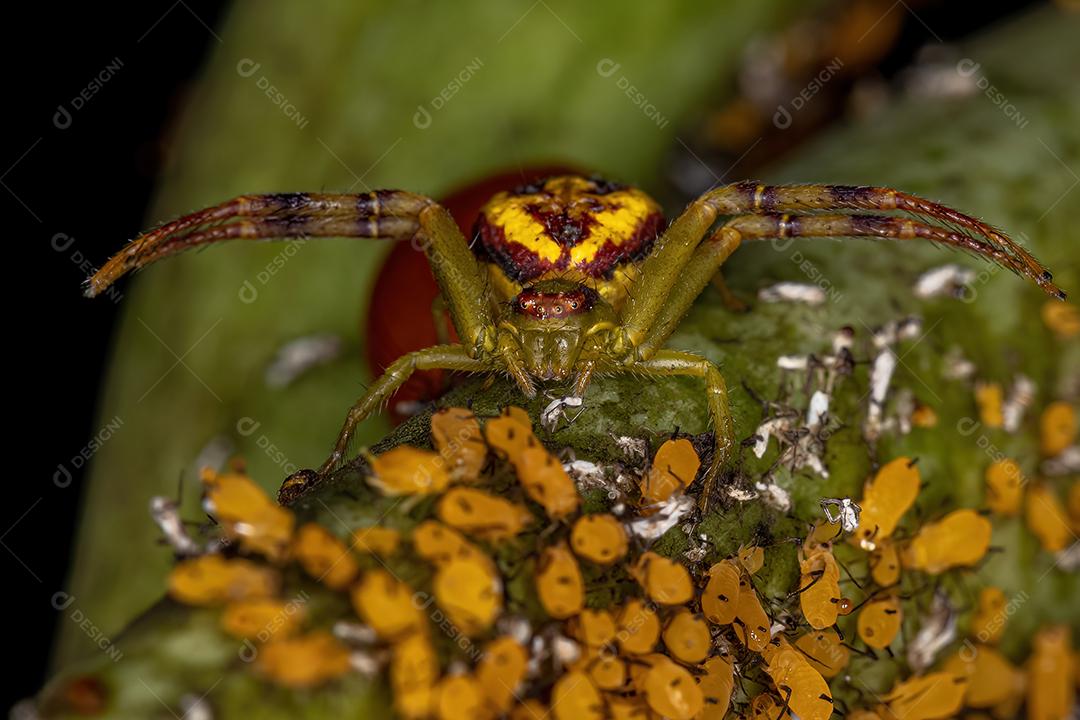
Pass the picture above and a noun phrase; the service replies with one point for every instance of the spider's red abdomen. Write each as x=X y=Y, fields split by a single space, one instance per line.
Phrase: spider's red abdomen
x=566 y=224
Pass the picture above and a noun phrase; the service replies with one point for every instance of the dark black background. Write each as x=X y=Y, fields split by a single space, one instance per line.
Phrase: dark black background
x=92 y=182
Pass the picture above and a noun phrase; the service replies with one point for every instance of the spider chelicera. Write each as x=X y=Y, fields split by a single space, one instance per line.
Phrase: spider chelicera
x=574 y=276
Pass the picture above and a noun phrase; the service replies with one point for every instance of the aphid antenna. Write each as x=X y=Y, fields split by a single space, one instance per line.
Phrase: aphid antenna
x=868 y=652
x=851 y=576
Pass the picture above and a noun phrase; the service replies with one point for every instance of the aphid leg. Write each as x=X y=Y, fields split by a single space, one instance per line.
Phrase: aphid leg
x=727 y=295
x=672 y=362
x=440 y=357
x=751 y=197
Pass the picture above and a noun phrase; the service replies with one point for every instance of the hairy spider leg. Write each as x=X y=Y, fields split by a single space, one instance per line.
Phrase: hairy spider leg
x=756 y=198
x=389 y=214
x=773 y=226
x=438 y=357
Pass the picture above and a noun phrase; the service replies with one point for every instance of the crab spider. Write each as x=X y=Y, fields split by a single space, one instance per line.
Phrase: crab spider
x=574 y=275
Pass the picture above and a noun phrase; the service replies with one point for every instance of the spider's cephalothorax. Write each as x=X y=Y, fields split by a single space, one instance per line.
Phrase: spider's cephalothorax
x=573 y=276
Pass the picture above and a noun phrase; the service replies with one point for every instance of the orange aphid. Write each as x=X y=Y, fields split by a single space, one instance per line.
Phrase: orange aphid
x=324 y=557
x=992 y=680
x=303 y=662
x=262 y=618
x=989 y=399
x=406 y=470
x=928 y=697
x=720 y=599
x=960 y=539
x=559 y=582
x=752 y=625
x=575 y=697
x=1051 y=690
x=213 y=580
x=608 y=672
x=600 y=538
x=671 y=691
x=885 y=563
x=988 y=620
x=414 y=670
x=480 y=513
x=510 y=433
x=1004 y=487
x=459 y=697
x=378 y=540
x=470 y=592
x=825 y=651
x=819 y=586
x=924 y=416
x=1046 y=519
x=639 y=628
x=456 y=435
x=673 y=469
x=594 y=628
x=717 y=683
x=439 y=544
x=687 y=637
x=1062 y=318
x=665 y=581
x=885 y=500
x=501 y=670
x=1057 y=428
x=546 y=482
x=751 y=557
x=247 y=513
x=764 y=706
x=804 y=690
x=387 y=605
x=879 y=621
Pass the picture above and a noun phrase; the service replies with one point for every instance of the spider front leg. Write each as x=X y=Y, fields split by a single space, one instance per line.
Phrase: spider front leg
x=755 y=198
x=389 y=214
x=439 y=357
x=673 y=362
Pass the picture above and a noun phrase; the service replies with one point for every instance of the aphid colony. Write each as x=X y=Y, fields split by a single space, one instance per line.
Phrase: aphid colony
x=682 y=642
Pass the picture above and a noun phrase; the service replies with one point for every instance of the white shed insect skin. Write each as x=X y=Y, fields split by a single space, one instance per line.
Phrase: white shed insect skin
x=516 y=626
x=1066 y=462
x=194 y=707
x=936 y=630
x=668 y=515
x=354 y=633
x=819 y=409
x=556 y=410
x=774 y=496
x=297 y=357
x=842 y=511
x=958 y=367
x=944 y=281
x=365 y=664
x=1016 y=403
x=793 y=293
x=166 y=515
